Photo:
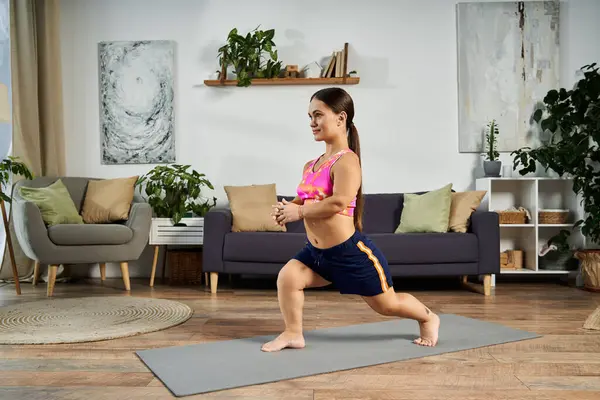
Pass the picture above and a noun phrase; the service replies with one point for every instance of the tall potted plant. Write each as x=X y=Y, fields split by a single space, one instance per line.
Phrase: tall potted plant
x=573 y=119
x=173 y=192
x=247 y=55
x=491 y=165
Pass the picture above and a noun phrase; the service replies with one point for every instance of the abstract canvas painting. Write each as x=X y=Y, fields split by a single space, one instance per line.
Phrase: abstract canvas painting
x=507 y=62
x=136 y=102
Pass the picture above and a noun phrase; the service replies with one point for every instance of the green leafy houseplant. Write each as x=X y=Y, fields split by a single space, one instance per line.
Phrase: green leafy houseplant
x=246 y=55
x=573 y=119
x=491 y=164
x=11 y=165
x=173 y=191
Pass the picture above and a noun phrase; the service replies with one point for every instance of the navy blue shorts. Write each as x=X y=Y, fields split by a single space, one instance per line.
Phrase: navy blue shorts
x=355 y=266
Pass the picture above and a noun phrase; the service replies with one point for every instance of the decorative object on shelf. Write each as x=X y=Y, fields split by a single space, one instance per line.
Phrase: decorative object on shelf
x=491 y=165
x=312 y=70
x=549 y=216
x=511 y=259
x=334 y=74
x=514 y=216
x=291 y=71
x=245 y=54
x=590 y=268
x=557 y=254
x=136 y=101
x=573 y=119
x=502 y=71
x=173 y=191
x=11 y=165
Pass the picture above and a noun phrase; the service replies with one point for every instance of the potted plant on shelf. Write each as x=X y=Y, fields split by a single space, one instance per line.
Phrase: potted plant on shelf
x=573 y=119
x=246 y=55
x=173 y=192
x=491 y=165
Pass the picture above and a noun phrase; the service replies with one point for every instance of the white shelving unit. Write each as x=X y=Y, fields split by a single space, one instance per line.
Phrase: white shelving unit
x=534 y=194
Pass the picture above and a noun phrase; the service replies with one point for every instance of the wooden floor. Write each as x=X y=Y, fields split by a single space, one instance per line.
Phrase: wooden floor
x=563 y=364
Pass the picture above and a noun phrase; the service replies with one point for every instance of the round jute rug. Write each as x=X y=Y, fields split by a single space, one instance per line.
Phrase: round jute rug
x=87 y=319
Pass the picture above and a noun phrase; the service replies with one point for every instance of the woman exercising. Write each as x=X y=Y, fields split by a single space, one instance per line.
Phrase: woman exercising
x=330 y=202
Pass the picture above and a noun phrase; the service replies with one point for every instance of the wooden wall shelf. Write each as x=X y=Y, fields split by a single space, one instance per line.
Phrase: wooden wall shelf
x=288 y=81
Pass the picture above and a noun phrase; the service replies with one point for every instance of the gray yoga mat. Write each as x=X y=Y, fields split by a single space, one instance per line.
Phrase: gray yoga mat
x=207 y=367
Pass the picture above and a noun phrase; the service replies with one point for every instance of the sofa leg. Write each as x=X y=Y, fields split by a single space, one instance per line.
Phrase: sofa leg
x=214 y=280
x=484 y=289
x=52 y=270
x=102 y=271
x=36 y=273
x=125 y=273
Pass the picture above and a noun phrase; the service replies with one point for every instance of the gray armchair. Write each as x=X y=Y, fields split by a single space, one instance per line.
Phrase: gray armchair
x=78 y=244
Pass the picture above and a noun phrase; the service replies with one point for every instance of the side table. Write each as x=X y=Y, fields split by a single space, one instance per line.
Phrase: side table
x=163 y=233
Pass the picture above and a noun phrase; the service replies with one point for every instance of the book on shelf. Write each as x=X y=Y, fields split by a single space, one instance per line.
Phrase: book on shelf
x=337 y=64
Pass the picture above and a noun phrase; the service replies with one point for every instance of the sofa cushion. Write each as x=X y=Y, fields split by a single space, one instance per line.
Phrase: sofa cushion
x=428 y=212
x=424 y=248
x=251 y=207
x=89 y=234
x=262 y=246
x=108 y=200
x=463 y=205
x=55 y=203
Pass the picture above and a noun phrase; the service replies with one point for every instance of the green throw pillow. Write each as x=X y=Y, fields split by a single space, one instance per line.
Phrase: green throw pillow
x=428 y=212
x=54 y=202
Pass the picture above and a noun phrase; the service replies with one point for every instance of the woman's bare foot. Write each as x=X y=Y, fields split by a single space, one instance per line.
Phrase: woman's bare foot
x=285 y=340
x=429 y=331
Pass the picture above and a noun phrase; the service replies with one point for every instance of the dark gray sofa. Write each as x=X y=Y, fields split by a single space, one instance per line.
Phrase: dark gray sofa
x=474 y=253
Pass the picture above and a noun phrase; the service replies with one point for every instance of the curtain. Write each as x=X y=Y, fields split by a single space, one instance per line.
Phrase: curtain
x=36 y=78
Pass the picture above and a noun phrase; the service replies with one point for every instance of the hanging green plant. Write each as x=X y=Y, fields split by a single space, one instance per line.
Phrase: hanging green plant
x=247 y=56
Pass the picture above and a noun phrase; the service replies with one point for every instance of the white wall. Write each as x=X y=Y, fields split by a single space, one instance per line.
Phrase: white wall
x=406 y=102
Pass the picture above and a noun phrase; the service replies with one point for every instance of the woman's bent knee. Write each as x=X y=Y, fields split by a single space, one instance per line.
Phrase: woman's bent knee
x=292 y=276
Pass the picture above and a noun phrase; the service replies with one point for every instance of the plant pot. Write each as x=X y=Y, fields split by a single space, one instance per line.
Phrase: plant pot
x=590 y=268
x=492 y=168
x=559 y=261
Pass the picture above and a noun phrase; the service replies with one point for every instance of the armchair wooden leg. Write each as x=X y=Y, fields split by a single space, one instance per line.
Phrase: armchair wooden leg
x=214 y=281
x=125 y=272
x=102 y=271
x=485 y=289
x=52 y=270
x=36 y=273
x=154 y=262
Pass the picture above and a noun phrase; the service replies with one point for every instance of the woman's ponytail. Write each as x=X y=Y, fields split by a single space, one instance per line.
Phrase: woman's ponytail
x=354 y=144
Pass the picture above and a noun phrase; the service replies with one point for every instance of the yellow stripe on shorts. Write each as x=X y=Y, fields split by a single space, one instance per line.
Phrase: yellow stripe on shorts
x=378 y=267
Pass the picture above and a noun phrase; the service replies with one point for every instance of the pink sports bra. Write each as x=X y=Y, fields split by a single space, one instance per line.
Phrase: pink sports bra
x=317 y=185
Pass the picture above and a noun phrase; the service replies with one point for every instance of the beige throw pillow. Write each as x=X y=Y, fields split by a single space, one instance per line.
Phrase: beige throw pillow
x=108 y=200
x=462 y=206
x=251 y=207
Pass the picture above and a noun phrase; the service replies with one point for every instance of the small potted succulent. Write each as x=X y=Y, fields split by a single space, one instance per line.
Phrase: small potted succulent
x=491 y=165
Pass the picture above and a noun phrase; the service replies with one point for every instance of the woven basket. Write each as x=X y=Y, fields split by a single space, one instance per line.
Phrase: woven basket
x=511 y=259
x=185 y=266
x=512 y=217
x=553 y=216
